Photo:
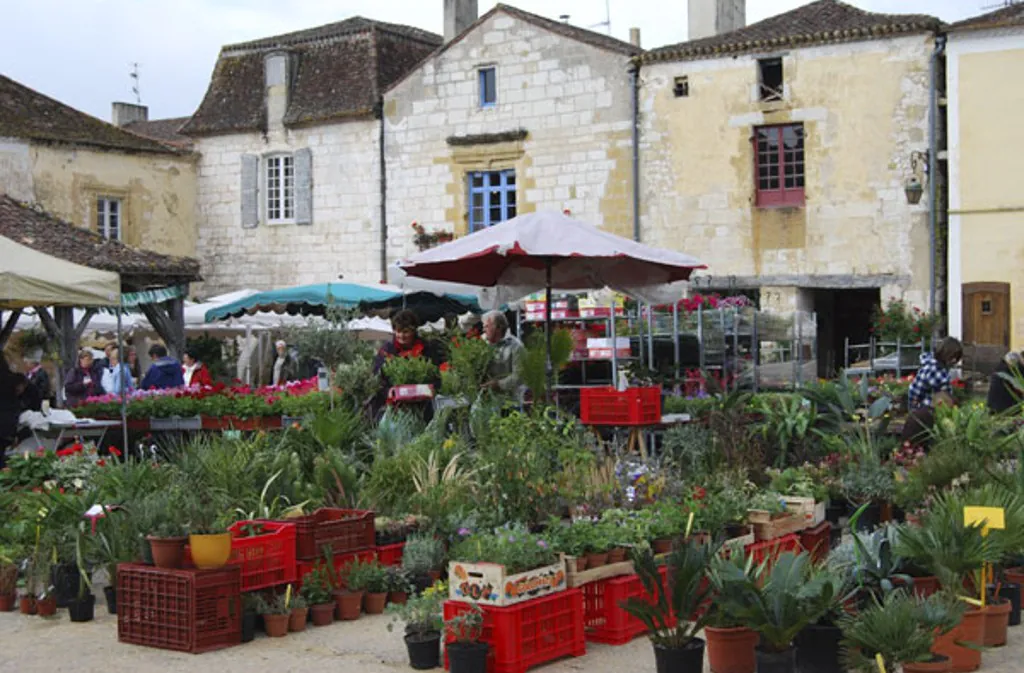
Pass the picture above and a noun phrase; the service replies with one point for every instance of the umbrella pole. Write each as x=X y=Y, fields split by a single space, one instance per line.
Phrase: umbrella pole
x=120 y=374
x=549 y=369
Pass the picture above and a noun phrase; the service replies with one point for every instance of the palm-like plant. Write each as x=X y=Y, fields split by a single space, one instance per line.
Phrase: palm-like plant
x=687 y=590
x=949 y=549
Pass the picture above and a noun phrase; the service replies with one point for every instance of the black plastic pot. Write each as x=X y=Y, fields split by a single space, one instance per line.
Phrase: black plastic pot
x=424 y=650
x=422 y=583
x=1011 y=592
x=734 y=530
x=817 y=650
x=776 y=662
x=869 y=518
x=467 y=657
x=248 y=626
x=835 y=511
x=82 y=609
x=64 y=577
x=110 y=593
x=689 y=659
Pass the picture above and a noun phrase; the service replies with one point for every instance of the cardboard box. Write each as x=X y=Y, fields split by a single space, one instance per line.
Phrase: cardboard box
x=489 y=584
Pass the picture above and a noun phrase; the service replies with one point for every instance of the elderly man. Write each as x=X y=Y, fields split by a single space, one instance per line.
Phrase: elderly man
x=504 y=370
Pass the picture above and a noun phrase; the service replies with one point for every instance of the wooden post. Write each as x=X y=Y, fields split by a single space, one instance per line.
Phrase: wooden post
x=8 y=327
x=169 y=323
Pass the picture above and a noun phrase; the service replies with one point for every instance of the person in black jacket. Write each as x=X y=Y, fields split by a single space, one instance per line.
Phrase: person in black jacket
x=1003 y=394
x=85 y=380
x=10 y=409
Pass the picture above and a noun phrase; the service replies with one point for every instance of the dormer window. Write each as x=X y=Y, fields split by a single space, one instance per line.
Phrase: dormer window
x=277 y=69
x=771 y=85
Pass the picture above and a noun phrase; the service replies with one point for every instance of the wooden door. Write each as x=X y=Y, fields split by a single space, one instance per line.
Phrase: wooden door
x=986 y=317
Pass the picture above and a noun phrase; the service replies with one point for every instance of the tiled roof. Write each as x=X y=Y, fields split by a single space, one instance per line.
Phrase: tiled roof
x=821 y=22
x=1012 y=15
x=594 y=39
x=28 y=114
x=139 y=269
x=162 y=130
x=340 y=71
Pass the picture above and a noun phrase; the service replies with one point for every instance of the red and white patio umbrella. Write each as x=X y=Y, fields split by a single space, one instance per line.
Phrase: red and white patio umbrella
x=545 y=250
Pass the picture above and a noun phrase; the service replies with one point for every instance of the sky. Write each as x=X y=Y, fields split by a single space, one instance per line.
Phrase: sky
x=80 y=51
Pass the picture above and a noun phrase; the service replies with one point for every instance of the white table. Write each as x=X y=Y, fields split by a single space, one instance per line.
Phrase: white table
x=59 y=433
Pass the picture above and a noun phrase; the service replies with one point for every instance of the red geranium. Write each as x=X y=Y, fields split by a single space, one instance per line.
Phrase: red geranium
x=114 y=451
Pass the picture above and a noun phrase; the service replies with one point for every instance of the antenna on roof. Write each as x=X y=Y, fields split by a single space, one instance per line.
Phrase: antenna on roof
x=134 y=74
x=607 y=23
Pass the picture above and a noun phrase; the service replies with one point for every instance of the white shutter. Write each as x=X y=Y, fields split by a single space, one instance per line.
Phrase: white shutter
x=303 y=186
x=250 y=191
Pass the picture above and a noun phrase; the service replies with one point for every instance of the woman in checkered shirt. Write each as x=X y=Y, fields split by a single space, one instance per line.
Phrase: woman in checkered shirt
x=934 y=375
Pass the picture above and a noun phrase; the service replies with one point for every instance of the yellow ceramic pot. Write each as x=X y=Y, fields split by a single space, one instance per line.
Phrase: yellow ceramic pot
x=210 y=551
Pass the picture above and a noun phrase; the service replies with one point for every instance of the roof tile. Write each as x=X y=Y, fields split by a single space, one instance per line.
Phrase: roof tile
x=1011 y=15
x=162 y=130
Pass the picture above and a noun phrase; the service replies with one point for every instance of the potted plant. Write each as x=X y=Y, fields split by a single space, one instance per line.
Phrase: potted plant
x=818 y=644
x=354 y=576
x=167 y=535
x=876 y=568
x=867 y=484
x=376 y=584
x=114 y=543
x=677 y=649
x=250 y=609
x=276 y=613
x=399 y=585
x=316 y=590
x=598 y=543
x=208 y=538
x=8 y=579
x=82 y=607
x=466 y=654
x=667 y=522
x=422 y=616
x=299 y=611
x=422 y=558
x=902 y=629
x=730 y=642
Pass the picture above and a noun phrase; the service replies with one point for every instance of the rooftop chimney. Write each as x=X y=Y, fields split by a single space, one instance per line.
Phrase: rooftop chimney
x=126 y=113
x=634 y=37
x=458 y=16
x=276 y=76
x=707 y=18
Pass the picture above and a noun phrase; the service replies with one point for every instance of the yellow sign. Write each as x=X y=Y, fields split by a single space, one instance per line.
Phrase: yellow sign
x=992 y=518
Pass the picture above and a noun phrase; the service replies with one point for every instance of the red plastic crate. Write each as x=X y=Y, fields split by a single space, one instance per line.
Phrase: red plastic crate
x=186 y=610
x=817 y=540
x=769 y=550
x=391 y=555
x=529 y=634
x=340 y=561
x=604 y=619
x=346 y=530
x=266 y=560
x=609 y=406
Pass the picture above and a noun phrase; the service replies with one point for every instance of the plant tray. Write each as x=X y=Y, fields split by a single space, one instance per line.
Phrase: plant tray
x=813 y=512
x=340 y=561
x=391 y=555
x=185 y=610
x=489 y=584
x=778 y=527
x=531 y=633
x=577 y=579
x=604 y=619
x=345 y=530
x=609 y=406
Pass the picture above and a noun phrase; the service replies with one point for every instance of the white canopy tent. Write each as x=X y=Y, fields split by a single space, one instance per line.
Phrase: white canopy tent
x=32 y=278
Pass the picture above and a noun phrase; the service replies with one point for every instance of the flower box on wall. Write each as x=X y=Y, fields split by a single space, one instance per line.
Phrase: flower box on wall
x=489 y=584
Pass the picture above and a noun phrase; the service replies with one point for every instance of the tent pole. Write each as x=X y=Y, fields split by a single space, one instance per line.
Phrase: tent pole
x=549 y=369
x=120 y=374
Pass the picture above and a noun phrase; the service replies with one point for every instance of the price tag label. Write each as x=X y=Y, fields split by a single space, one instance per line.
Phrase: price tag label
x=992 y=518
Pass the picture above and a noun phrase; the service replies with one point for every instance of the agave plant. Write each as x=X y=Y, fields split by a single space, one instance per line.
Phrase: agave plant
x=877 y=569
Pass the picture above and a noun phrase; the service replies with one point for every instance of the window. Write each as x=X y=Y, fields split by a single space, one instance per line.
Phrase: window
x=108 y=218
x=488 y=86
x=780 y=165
x=280 y=188
x=492 y=198
x=681 y=87
x=986 y=307
x=770 y=79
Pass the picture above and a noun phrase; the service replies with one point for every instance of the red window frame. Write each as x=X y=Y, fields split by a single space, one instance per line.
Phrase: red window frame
x=779 y=165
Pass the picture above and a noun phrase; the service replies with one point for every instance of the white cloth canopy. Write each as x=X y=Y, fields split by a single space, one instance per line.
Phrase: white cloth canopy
x=32 y=278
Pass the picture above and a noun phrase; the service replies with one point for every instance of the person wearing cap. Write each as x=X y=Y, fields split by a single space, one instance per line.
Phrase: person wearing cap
x=285 y=367
x=164 y=373
x=85 y=380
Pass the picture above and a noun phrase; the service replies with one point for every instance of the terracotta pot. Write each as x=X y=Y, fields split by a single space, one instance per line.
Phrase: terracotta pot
x=350 y=604
x=297 y=619
x=997 y=620
x=276 y=626
x=323 y=615
x=373 y=604
x=617 y=555
x=731 y=650
x=398 y=597
x=434 y=575
x=941 y=664
x=577 y=564
x=46 y=607
x=926 y=586
x=597 y=559
x=210 y=551
x=970 y=630
x=27 y=605
x=662 y=545
x=7 y=602
x=168 y=552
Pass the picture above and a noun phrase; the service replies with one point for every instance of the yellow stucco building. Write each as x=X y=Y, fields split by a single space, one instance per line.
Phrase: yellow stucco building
x=984 y=72
x=96 y=175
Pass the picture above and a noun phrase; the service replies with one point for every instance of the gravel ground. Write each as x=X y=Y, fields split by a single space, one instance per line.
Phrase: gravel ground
x=33 y=644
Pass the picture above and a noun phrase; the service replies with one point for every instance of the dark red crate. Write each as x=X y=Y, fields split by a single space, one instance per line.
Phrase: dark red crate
x=817 y=540
x=531 y=633
x=391 y=554
x=345 y=530
x=770 y=550
x=340 y=561
x=267 y=560
x=604 y=618
x=185 y=610
x=609 y=406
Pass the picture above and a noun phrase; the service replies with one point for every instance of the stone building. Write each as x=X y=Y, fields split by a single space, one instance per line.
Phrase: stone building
x=984 y=68
x=514 y=113
x=94 y=174
x=291 y=163
x=779 y=154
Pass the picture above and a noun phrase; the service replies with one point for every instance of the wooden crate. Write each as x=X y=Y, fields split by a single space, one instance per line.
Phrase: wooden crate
x=779 y=526
x=576 y=579
x=813 y=512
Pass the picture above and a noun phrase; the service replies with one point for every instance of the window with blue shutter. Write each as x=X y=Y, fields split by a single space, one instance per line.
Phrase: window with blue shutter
x=488 y=86
x=492 y=198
